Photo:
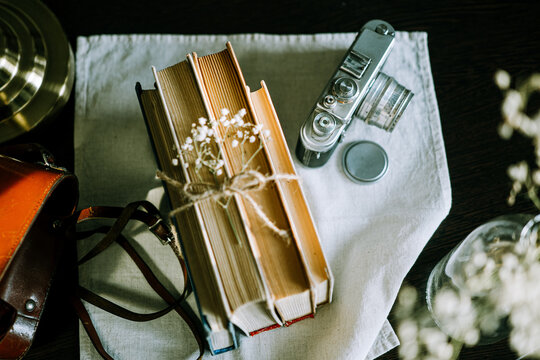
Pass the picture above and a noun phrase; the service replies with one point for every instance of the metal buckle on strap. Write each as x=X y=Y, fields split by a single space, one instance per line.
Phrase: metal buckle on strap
x=169 y=237
x=47 y=159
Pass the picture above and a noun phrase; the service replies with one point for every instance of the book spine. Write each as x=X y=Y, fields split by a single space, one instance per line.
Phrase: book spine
x=195 y=206
x=279 y=187
x=272 y=124
x=202 y=323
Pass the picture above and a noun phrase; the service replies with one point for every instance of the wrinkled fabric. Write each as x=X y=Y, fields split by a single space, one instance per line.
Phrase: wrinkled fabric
x=371 y=234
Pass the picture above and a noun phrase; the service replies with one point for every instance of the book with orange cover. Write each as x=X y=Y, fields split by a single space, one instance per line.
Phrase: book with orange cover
x=245 y=272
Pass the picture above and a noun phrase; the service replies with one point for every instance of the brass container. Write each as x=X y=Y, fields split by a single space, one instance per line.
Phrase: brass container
x=36 y=66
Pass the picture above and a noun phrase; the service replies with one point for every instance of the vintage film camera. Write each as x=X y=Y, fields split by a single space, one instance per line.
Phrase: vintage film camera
x=356 y=90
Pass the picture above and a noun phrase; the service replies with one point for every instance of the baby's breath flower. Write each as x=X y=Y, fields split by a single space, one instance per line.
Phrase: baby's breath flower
x=266 y=133
x=505 y=131
x=407 y=297
x=175 y=162
x=509 y=261
x=512 y=103
x=534 y=81
x=518 y=172
x=409 y=350
x=228 y=128
x=528 y=127
x=201 y=134
x=471 y=336
x=479 y=259
x=502 y=79
x=408 y=330
x=419 y=337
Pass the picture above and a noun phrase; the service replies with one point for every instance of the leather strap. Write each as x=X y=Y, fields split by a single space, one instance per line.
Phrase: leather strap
x=151 y=218
x=113 y=234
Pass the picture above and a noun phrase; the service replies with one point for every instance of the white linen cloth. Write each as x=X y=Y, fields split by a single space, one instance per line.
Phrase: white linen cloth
x=371 y=234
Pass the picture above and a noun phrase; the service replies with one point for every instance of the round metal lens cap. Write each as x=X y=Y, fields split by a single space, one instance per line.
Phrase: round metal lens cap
x=365 y=161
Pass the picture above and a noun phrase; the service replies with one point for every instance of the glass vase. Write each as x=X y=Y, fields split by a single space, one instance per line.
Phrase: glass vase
x=494 y=239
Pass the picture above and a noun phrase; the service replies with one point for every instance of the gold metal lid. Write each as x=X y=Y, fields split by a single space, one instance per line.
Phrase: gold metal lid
x=36 y=66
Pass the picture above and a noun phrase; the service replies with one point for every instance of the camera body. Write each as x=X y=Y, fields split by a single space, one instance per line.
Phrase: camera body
x=356 y=90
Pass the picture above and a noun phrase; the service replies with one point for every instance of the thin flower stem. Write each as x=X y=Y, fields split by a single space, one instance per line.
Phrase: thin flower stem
x=244 y=166
x=531 y=192
x=236 y=236
x=457 y=346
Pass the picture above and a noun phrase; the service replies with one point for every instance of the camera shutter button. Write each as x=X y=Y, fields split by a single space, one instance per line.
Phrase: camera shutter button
x=345 y=89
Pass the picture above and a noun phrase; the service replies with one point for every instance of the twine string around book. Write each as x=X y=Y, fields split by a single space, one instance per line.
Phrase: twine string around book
x=241 y=184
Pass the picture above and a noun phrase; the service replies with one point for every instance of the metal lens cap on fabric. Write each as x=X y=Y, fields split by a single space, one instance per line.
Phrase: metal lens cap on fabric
x=365 y=162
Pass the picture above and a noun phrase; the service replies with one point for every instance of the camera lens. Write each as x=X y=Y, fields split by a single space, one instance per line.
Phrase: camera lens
x=384 y=103
x=323 y=124
x=345 y=89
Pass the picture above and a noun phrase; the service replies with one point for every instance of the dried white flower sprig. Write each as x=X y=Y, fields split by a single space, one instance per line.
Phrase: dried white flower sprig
x=498 y=291
x=420 y=337
x=203 y=150
x=516 y=118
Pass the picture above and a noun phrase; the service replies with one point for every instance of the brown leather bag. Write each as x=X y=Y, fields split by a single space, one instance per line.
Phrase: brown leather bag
x=34 y=200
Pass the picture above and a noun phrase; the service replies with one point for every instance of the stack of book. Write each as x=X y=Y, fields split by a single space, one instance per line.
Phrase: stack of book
x=244 y=274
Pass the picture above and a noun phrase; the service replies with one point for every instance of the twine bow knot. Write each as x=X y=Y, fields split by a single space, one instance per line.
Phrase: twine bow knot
x=240 y=184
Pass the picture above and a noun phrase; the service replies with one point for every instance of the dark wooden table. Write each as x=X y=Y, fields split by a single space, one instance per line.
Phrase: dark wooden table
x=468 y=41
